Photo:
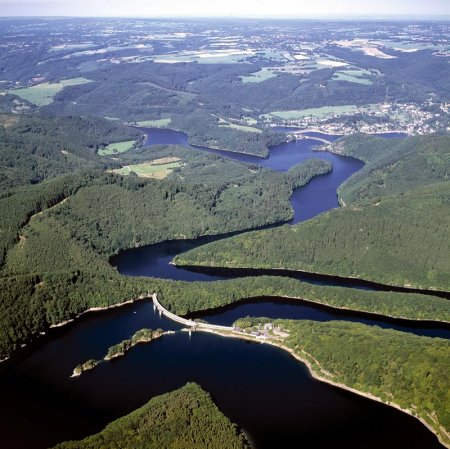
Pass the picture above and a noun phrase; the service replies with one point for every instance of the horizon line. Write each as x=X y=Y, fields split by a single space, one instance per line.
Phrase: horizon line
x=366 y=17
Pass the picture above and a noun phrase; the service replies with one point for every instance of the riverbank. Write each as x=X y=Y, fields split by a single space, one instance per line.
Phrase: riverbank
x=322 y=376
x=319 y=304
x=66 y=322
x=294 y=273
x=98 y=309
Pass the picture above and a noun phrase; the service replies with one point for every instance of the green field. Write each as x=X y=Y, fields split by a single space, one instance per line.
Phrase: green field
x=118 y=147
x=249 y=129
x=149 y=169
x=160 y=123
x=43 y=94
x=353 y=76
x=316 y=112
x=257 y=77
x=200 y=58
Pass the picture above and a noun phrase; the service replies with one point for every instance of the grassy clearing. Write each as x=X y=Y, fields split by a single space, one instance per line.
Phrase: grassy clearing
x=353 y=76
x=227 y=124
x=160 y=123
x=250 y=121
x=43 y=94
x=315 y=112
x=248 y=129
x=157 y=169
x=212 y=57
x=118 y=147
x=257 y=77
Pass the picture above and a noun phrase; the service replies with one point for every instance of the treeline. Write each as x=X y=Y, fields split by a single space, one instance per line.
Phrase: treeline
x=34 y=148
x=397 y=367
x=185 y=418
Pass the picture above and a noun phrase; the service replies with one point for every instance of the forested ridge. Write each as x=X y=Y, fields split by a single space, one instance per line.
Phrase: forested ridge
x=57 y=235
x=185 y=418
x=397 y=367
x=393 y=166
x=31 y=303
x=399 y=237
x=34 y=148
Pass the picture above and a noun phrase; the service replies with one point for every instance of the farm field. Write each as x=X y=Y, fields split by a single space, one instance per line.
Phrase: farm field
x=119 y=147
x=160 y=123
x=257 y=77
x=157 y=169
x=43 y=94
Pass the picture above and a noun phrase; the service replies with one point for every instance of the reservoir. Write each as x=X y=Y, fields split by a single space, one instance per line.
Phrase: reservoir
x=265 y=391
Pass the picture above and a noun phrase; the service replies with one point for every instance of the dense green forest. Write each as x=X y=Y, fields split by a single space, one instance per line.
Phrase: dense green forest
x=149 y=211
x=397 y=367
x=393 y=166
x=57 y=235
x=400 y=237
x=35 y=148
x=140 y=336
x=182 y=298
x=185 y=418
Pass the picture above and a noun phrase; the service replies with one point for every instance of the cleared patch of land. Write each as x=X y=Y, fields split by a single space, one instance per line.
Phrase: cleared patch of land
x=42 y=94
x=353 y=76
x=257 y=77
x=313 y=112
x=227 y=124
x=160 y=123
x=157 y=169
x=118 y=147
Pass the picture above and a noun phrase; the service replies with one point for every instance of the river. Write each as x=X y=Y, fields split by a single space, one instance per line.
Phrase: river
x=270 y=395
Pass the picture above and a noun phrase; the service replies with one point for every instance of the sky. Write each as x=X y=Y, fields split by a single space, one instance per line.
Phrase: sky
x=226 y=8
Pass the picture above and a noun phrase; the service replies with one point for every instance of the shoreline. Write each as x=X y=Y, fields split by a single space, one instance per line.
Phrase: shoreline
x=320 y=304
x=318 y=375
x=97 y=309
x=71 y=320
x=431 y=291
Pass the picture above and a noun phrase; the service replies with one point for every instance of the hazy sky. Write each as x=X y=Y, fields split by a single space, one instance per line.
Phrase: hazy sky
x=226 y=8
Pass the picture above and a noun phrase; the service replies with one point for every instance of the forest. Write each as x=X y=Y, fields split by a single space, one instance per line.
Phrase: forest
x=59 y=234
x=185 y=418
x=396 y=367
x=397 y=234
x=35 y=148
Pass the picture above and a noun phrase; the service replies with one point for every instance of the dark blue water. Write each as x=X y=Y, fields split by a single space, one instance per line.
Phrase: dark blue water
x=294 y=309
x=261 y=388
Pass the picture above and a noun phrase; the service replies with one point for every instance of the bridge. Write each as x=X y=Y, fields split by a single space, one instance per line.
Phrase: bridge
x=300 y=135
x=194 y=325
